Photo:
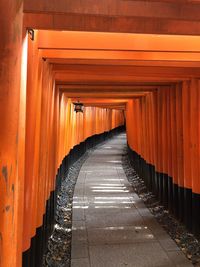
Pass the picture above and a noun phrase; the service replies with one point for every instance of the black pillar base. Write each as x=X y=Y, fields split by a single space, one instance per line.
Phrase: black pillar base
x=180 y=201
x=188 y=208
x=196 y=214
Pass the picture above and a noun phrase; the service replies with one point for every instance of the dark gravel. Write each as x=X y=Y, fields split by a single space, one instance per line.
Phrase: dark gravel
x=184 y=239
x=59 y=244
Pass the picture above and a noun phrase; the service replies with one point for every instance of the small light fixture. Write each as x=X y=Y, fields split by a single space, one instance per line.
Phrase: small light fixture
x=78 y=107
x=31 y=33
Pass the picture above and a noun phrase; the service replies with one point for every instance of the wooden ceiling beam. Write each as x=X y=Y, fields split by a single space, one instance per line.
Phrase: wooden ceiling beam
x=115 y=24
x=135 y=8
x=133 y=71
x=62 y=78
x=102 y=96
x=107 y=88
x=115 y=42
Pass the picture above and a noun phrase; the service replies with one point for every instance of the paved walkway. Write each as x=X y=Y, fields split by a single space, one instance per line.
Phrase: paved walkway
x=111 y=225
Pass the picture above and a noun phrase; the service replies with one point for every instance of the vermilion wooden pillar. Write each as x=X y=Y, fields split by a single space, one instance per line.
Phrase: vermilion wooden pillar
x=160 y=145
x=174 y=148
x=11 y=133
x=186 y=95
x=194 y=153
x=156 y=147
x=169 y=167
x=179 y=136
x=164 y=138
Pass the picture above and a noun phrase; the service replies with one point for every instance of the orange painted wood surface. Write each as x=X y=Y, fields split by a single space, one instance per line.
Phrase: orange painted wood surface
x=12 y=99
x=172 y=129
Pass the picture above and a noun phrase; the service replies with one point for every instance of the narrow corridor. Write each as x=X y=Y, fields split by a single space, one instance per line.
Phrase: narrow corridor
x=111 y=225
x=72 y=75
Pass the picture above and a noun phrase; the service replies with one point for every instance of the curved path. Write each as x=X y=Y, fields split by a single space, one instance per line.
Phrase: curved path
x=111 y=225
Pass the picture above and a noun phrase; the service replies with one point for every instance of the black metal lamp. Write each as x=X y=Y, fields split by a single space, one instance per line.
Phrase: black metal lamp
x=78 y=107
x=31 y=33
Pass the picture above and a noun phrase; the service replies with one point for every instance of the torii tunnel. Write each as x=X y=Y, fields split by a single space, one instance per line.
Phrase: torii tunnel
x=132 y=63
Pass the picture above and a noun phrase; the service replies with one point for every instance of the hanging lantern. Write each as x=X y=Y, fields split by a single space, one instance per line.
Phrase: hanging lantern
x=78 y=107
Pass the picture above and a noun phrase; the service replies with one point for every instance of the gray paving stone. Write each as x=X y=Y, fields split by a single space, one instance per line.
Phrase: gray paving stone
x=79 y=236
x=84 y=262
x=79 y=190
x=178 y=258
x=119 y=235
x=78 y=225
x=166 y=242
x=79 y=251
x=78 y=214
x=140 y=255
x=124 y=218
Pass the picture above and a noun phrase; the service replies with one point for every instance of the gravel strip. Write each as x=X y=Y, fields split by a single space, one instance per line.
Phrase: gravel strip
x=184 y=239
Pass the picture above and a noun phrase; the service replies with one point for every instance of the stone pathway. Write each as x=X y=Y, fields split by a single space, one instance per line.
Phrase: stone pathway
x=111 y=227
